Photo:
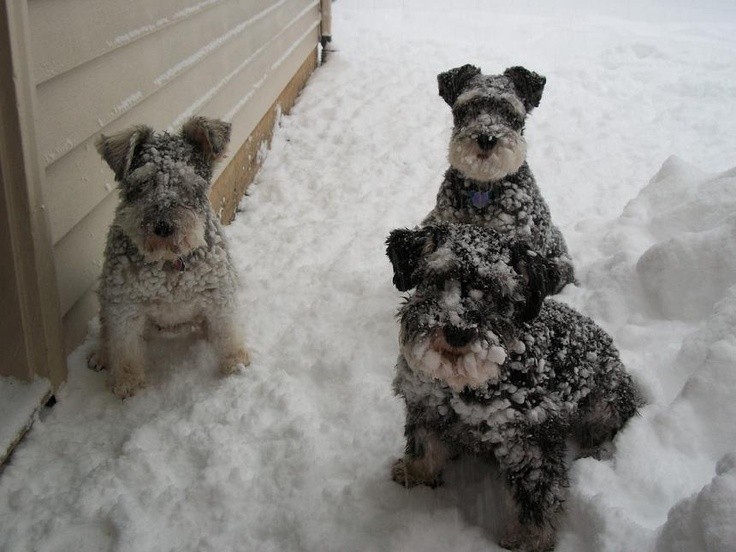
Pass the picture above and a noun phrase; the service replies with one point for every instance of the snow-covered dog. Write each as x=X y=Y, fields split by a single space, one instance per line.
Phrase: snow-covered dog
x=166 y=262
x=488 y=367
x=489 y=182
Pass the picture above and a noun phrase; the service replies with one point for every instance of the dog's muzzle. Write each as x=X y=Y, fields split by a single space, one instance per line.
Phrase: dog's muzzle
x=473 y=364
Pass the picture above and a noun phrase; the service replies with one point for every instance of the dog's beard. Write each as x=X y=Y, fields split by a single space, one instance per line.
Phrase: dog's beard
x=473 y=366
x=188 y=235
x=506 y=157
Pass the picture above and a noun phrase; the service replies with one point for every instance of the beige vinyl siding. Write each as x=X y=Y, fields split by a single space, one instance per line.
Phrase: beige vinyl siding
x=68 y=33
x=103 y=65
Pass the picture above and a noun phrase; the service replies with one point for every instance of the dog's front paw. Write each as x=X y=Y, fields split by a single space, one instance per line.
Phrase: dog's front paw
x=604 y=451
x=529 y=539
x=127 y=383
x=96 y=362
x=236 y=363
x=404 y=475
x=400 y=474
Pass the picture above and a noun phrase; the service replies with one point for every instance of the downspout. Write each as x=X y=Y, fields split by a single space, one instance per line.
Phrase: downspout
x=326 y=24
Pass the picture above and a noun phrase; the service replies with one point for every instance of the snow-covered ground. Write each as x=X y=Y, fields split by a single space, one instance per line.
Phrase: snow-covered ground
x=632 y=146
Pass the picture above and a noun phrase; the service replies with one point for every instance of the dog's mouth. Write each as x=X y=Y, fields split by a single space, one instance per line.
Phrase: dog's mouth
x=163 y=249
x=452 y=356
x=450 y=352
x=154 y=243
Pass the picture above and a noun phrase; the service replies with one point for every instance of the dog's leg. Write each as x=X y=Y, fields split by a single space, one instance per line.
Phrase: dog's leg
x=603 y=415
x=557 y=250
x=567 y=273
x=536 y=473
x=123 y=347
x=97 y=358
x=223 y=333
x=426 y=456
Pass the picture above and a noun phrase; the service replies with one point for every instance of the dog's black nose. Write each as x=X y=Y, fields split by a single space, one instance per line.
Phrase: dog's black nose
x=458 y=337
x=163 y=229
x=486 y=142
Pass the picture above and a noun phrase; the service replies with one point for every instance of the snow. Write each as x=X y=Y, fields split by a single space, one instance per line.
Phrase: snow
x=705 y=521
x=294 y=454
x=697 y=230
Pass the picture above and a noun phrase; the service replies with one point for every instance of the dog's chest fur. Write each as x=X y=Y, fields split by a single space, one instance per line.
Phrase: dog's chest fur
x=565 y=357
x=512 y=206
x=170 y=292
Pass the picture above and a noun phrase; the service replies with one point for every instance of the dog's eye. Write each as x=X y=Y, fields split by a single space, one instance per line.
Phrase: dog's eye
x=475 y=105
x=514 y=120
x=461 y=112
x=132 y=193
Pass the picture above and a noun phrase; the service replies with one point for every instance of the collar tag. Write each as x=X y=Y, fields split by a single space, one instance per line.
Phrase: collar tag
x=479 y=200
x=179 y=265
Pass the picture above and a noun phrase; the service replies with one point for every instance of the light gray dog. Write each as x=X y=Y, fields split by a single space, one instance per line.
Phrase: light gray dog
x=490 y=368
x=489 y=182
x=166 y=263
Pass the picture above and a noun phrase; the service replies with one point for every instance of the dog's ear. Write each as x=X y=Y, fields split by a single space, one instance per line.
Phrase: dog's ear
x=119 y=149
x=541 y=276
x=404 y=249
x=209 y=136
x=529 y=85
x=452 y=82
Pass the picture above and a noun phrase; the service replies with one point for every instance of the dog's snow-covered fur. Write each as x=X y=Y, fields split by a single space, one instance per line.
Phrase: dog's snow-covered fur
x=166 y=262
x=488 y=366
x=489 y=182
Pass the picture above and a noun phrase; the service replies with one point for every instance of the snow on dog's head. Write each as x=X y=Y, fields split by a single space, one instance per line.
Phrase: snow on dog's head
x=489 y=112
x=473 y=288
x=163 y=182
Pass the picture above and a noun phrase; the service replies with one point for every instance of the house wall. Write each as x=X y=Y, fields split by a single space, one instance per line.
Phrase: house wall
x=100 y=66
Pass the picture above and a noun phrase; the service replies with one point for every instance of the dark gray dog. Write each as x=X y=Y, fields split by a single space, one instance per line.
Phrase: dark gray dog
x=489 y=182
x=488 y=367
x=166 y=262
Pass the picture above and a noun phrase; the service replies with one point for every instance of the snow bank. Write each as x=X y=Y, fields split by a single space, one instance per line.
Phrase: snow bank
x=705 y=521
x=669 y=256
x=685 y=273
